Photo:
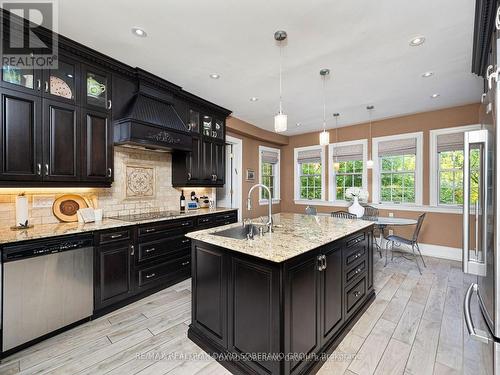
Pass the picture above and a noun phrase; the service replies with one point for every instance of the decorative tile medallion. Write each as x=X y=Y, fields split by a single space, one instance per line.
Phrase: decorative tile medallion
x=140 y=181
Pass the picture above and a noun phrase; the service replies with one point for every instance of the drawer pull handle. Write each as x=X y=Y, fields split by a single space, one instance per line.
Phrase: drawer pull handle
x=150 y=230
x=185 y=241
x=185 y=263
x=357 y=255
x=357 y=294
x=115 y=236
x=358 y=271
x=184 y=224
x=150 y=249
x=150 y=275
x=132 y=250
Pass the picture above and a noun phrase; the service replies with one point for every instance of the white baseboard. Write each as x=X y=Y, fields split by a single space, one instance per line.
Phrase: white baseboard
x=443 y=252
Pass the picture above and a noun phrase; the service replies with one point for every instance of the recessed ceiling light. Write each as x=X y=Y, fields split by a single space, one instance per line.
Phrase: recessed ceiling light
x=139 y=32
x=215 y=76
x=417 y=41
x=254 y=99
x=297 y=124
x=427 y=74
x=436 y=95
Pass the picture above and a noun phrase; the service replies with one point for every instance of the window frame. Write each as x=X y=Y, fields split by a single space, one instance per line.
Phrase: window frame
x=418 y=168
x=434 y=163
x=296 y=174
x=332 y=174
x=277 y=174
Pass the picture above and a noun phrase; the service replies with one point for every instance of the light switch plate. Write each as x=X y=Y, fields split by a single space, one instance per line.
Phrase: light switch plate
x=43 y=201
x=391 y=214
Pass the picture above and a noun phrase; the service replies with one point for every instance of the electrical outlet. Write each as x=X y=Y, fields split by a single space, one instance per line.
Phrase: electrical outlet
x=43 y=201
x=391 y=214
x=391 y=232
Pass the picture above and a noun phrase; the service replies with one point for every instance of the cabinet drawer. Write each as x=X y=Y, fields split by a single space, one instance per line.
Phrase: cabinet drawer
x=353 y=256
x=162 y=248
x=205 y=221
x=355 y=240
x=179 y=225
x=355 y=295
x=115 y=236
x=358 y=270
x=165 y=271
x=227 y=218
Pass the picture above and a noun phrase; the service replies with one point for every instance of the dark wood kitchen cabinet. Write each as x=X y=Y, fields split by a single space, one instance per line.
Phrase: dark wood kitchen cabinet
x=114 y=256
x=52 y=133
x=61 y=141
x=301 y=307
x=20 y=137
x=97 y=146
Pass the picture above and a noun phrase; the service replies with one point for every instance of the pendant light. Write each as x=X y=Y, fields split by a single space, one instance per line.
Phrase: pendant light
x=324 y=136
x=369 y=162
x=336 y=164
x=280 y=120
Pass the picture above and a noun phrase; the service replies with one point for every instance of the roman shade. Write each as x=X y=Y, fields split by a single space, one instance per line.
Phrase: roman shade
x=348 y=153
x=309 y=156
x=270 y=157
x=450 y=142
x=405 y=146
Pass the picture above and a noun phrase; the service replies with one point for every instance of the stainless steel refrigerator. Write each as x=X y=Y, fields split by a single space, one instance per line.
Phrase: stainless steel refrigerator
x=481 y=240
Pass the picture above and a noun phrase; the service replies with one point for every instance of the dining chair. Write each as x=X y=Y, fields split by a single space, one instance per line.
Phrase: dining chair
x=343 y=215
x=413 y=242
x=311 y=211
x=372 y=214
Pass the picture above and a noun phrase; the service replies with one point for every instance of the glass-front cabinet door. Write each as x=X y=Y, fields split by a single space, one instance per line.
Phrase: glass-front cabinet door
x=97 y=89
x=218 y=131
x=194 y=121
x=207 y=125
x=62 y=83
x=21 y=78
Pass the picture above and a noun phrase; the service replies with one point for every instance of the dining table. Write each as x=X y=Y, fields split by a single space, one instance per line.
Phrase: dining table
x=382 y=222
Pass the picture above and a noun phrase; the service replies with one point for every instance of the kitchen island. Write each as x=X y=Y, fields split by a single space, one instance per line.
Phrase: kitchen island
x=278 y=304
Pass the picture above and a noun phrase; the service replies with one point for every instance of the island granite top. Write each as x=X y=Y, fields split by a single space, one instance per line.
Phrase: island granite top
x=39 y=231
x=294 y=234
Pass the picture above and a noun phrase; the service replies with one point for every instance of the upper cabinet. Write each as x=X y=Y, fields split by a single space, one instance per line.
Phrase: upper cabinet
x=205 y=164
x=96 y=89
x=55 y=126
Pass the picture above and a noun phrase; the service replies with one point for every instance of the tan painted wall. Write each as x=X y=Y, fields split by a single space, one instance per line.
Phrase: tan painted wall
x=439 y=228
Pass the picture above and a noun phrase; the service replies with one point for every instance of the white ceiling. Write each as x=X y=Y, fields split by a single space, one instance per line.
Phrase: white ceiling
x=364 y=43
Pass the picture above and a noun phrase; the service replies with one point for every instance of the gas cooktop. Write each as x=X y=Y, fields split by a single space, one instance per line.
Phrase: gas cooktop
x=148 y=216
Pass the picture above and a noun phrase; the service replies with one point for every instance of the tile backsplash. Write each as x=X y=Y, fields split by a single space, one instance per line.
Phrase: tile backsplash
x=143 y=182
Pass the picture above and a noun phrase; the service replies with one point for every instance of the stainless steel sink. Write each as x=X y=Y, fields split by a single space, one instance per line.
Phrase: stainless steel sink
x=239 y=233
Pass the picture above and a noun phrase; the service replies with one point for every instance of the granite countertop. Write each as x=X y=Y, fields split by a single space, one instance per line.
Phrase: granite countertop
x=60 y=229
x=294 y=234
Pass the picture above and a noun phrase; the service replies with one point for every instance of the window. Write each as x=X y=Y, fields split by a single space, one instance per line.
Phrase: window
x=351 y=157
x=269 y=168
x=309 y=181
x=397 y=173
x=447 y=164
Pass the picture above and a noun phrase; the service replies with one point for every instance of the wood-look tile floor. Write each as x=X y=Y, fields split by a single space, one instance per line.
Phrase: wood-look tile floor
x=414 y=326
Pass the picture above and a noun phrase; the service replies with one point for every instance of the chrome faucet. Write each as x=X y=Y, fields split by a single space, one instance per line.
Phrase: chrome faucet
x=269 y=223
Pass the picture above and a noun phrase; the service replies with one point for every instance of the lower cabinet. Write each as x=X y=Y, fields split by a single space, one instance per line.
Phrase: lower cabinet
x=293 y=311
x=113 y=281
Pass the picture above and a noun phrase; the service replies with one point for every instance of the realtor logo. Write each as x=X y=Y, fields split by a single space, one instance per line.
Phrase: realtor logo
x=29 y=34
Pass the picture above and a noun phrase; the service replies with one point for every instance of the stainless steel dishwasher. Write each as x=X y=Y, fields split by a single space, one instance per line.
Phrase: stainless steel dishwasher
x=47 y=285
